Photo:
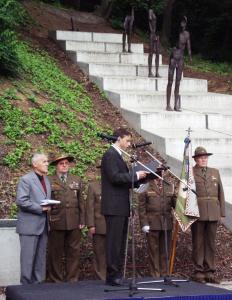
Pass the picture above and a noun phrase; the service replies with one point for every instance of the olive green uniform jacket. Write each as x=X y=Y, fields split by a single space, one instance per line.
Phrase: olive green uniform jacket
x=211 y=202
x=210 y=194
x=64 y=237
x=155 y=210
x=94 y=218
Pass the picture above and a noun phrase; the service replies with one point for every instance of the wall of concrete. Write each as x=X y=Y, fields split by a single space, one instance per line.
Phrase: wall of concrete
x=10 y=253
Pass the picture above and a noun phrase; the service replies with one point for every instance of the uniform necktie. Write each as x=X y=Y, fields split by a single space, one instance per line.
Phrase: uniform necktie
x=63 y=178
x=204 y=172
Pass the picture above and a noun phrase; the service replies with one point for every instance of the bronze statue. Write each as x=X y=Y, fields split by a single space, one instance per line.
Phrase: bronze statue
x=176 y=62
x=153 y=45
x=128 y=28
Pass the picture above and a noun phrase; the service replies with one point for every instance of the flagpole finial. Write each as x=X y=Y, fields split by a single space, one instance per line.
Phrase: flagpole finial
x=189 y=131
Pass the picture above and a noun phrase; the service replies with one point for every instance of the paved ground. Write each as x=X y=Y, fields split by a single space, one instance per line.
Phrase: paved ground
x=224 y=285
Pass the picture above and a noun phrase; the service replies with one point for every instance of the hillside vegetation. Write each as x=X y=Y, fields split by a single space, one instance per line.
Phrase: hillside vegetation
x=42 y=109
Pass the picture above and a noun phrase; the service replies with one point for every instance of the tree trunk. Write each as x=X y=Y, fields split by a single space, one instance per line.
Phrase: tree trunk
x=104 y=10
x=167 y=23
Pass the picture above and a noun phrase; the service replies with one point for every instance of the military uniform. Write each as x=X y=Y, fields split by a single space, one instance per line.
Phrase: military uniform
x=155 y=210
x=94 y=218
x=211 y=202
x=65 y=235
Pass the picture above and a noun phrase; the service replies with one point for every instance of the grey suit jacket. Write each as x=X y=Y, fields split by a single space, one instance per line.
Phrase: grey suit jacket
x=30 y=193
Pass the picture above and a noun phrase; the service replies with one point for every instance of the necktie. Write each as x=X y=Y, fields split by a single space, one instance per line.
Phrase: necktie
x=44 y=185
x=63 y=178
x=204 y=172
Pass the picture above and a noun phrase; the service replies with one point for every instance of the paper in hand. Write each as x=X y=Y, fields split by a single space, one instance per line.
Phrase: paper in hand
x=152 y=165
x=49 y=202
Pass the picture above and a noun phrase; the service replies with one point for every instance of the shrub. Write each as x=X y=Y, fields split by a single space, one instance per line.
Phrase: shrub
x=12 y=15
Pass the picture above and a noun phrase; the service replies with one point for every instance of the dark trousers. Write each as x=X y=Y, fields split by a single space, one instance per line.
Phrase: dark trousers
x=116 y=235
x=203 y=243
x=64 y=243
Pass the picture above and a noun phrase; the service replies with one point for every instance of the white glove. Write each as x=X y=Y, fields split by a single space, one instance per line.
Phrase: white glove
x=146 y=229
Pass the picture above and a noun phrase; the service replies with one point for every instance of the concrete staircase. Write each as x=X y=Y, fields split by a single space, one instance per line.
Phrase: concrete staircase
x=142 y=101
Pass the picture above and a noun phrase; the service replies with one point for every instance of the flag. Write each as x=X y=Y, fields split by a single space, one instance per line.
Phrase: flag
x=186 y=211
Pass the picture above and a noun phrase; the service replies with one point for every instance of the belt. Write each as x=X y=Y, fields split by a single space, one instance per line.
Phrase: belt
x=208 y=198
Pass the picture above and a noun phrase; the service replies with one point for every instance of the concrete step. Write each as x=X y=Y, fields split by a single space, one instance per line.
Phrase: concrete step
x=196 y=101
x=170 y=142
x=221 y=160
x=228 y=197
x=142 y=119
x=149 y=84
x=105 y=69
x=86 y=36
x=226 y=175
x=99 y=47
x=105 y=57
x=227 y=221
x=220 y=122
x=94 y=57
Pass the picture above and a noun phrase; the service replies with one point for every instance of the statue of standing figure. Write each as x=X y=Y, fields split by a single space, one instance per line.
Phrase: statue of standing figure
x=128 y=29
x=153 y=44
x=176 y=62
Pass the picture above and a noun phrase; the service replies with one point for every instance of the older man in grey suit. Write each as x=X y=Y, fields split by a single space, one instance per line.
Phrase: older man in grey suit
x=32 y=220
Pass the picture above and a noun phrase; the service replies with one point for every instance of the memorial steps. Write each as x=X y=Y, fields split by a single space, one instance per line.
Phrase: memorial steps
x=142 y=101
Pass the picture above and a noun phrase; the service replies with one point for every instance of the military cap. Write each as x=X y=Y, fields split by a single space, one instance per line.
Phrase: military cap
x=61 y=157
x=201 y=151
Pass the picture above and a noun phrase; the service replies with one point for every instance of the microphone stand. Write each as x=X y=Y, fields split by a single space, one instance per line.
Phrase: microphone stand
x=167 y=169
x=133 y=285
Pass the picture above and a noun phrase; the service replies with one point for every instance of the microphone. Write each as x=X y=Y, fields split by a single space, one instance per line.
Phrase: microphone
x=141 y=145
x=107 y=137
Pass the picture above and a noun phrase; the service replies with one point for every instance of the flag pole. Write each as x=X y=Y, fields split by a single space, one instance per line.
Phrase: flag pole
x=175 y=235
x=173 y=247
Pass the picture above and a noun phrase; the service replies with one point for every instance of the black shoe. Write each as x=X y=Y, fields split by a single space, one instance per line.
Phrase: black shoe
x=199 y=279
x=114 y=282
x=212 y=280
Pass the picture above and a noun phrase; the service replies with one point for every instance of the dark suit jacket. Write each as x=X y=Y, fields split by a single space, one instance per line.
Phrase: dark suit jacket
x=116 y=182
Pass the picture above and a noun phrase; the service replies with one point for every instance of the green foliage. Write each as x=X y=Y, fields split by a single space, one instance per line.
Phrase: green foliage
x=209 y=25
x=13 y=210
x=11 y=16
x=66 y=120
x=200 y=64
x=123 y=7
x=116 y=24
x=12 y=159
x=9 y=63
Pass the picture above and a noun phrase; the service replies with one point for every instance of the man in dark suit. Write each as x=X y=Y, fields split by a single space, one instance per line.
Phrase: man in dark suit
x=116 y=183
x=211 y=203
x=66 y=222
x=32 y=220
